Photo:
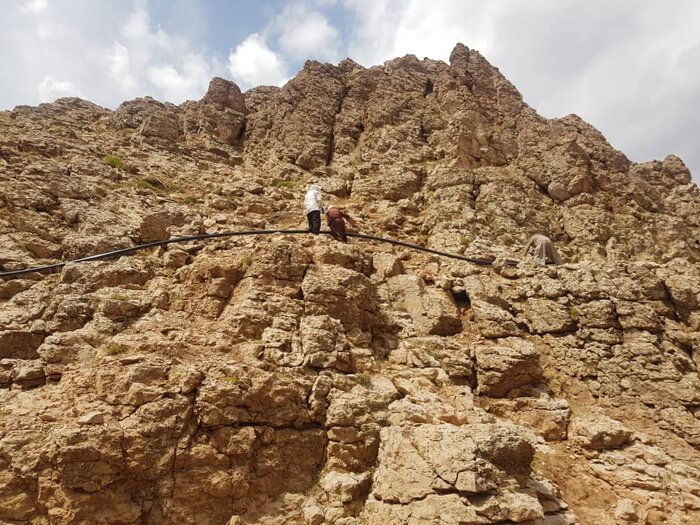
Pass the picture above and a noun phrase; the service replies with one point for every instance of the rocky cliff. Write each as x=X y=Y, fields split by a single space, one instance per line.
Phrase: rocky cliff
x=299 y=380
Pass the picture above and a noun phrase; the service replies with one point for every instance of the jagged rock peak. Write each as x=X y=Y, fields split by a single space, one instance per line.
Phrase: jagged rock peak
x=225 y=94
x=348 y=65
x=460 y=54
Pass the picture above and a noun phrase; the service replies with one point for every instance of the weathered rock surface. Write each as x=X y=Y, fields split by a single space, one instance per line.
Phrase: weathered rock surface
x=278 y=379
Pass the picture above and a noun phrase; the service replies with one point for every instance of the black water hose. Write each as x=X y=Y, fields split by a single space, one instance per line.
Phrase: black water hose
x=132 y=249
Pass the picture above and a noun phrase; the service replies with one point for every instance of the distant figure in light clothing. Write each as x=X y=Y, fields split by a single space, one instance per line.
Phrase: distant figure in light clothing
x=312 y=206
x=543 y=250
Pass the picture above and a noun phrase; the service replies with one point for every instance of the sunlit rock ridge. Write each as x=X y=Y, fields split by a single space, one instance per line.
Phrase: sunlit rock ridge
x=298 y=380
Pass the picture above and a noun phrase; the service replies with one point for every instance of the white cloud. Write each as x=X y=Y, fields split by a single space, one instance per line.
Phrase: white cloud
x=253 y=63
x=34 y=6
x=386 y=29
x=306 y=33
x=138 y=30
x=188 y=82
x=120 y=68
x=112 y=50
x=150 y=61
x=50 y=89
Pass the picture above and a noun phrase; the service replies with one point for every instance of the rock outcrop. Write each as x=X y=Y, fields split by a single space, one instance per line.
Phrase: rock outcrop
x=282 y=379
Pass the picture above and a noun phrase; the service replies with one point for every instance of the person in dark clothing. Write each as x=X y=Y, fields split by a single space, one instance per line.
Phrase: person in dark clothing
x=336 y=223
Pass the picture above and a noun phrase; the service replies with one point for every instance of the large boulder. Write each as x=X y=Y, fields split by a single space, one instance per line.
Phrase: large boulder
x=432 y=310
x=224 y=94
x=505 y=365
x=445 y=465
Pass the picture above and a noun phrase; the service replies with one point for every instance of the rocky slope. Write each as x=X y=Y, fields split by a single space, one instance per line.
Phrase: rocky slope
x=298 y=380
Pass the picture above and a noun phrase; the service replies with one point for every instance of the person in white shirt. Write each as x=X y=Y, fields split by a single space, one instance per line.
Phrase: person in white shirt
x=313 y=207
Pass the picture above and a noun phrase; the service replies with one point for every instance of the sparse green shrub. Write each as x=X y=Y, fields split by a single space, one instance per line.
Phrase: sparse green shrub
x=190 y=199
x=364 y=379
x=573 y=313
x=287 y=184
x=143 y=184
x=431 y=352
x=314 y=480
x=115 y=161
x=230 y=379
x=381 y=355
x=114 y=349
x=247 y=260
x=118 y=297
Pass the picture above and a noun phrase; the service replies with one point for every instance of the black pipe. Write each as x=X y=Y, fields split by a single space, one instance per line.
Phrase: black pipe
x=132 y=249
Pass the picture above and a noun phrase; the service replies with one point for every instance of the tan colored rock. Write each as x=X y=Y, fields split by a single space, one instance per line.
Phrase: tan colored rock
x=438 y=462
x=341 y=293
x=625 y=511
x=20 y=344
x=386 y=264
x=546 y=417
x=154 y=227
x=28 y=373
x=432 y=310
x=545 y=316
x=598 y=432
x=505 y=365
x=494 y=322
x=278 y=379
x=91 y=418
x=323 y=344
x=346 y=485
x=175 y=258
x=225 y=94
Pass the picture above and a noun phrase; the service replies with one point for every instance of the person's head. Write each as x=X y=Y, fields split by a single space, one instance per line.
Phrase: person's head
x=314 y=186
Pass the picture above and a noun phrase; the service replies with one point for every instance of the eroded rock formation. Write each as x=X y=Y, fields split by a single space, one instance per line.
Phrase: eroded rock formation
x=301 y=380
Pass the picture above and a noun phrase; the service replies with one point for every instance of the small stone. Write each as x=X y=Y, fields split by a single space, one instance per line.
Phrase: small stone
x=175 y=258
x=313 y=513
x=626 y=511
x=92 y=418
x=598 y=432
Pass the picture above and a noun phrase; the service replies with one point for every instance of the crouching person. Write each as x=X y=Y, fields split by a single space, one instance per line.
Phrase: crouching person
x=336 y=222
x=542 y=249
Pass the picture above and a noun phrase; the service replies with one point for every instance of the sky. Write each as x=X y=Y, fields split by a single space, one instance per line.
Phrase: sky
x=629 y=67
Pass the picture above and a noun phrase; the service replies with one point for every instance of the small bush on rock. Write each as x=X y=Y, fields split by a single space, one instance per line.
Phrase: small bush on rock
x=115 y=349
x=115 y=161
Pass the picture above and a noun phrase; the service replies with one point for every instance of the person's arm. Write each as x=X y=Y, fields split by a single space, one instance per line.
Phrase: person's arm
x=347 y=216
x=527 y=246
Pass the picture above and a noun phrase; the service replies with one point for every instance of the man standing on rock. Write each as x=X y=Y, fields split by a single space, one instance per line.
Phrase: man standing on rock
x=336 y=222
x=543 y=250
x=313 y=206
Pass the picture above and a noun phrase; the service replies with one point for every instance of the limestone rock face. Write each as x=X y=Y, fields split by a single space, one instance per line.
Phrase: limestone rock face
x=599 y=433
x=225 y=94
x=276 y=379
x=506 y=364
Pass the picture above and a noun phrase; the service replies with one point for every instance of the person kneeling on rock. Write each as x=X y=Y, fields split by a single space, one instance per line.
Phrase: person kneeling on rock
x=336 y=222
x=543 y=250
x=313 y=207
